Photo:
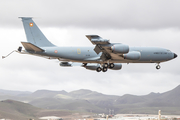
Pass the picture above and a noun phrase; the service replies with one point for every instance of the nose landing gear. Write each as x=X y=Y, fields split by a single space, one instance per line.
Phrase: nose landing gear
x=158 y=67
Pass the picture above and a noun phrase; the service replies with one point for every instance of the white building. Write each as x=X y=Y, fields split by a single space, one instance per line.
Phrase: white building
x=50 y=118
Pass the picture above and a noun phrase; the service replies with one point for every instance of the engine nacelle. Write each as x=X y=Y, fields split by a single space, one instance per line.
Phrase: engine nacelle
x=120 y=48
x=92 y=67
x=132 y=55
x=117 y=66
x=65 y=64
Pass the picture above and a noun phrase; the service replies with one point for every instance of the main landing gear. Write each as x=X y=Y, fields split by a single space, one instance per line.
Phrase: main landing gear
x=98 y=69
x=104 y=67
x=111 y=65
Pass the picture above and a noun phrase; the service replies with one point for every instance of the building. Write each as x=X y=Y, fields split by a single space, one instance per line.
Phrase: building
x=50 y=118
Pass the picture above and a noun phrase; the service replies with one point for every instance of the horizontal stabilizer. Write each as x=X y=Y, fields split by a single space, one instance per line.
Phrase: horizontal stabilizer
x=30 y=47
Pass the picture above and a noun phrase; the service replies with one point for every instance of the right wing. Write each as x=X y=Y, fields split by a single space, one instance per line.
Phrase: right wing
x=101 y=46
x=109 y=50
x=95 y=39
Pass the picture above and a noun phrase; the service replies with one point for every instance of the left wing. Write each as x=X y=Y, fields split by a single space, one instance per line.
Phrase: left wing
x=109 y=50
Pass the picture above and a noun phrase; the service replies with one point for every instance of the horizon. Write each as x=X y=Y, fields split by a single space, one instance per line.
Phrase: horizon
x=88 y=90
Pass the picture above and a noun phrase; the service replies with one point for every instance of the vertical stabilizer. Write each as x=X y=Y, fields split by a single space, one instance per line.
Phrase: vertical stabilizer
x=34 y=34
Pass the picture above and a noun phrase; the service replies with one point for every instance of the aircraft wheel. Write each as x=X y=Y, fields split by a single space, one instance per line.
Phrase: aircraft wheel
x=98 y=69
x=158 y=67
x=111 y=65
x=104 y=69
x=105 y=65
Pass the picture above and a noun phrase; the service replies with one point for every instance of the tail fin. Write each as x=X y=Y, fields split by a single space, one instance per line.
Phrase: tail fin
x=34 y=34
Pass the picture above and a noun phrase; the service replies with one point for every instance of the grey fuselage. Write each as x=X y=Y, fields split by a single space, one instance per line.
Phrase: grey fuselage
x=103 y=52
x=88 y=55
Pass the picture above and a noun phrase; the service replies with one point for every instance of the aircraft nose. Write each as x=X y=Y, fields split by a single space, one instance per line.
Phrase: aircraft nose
x=175 y=55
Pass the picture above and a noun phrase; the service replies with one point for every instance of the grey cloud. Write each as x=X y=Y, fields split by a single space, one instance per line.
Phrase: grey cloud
x=115 y=14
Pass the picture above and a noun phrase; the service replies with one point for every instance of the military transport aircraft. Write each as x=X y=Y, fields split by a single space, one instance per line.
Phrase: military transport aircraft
x=103 y=56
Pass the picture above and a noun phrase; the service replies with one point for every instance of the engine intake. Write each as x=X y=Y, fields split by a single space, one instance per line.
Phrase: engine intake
x=65 y=64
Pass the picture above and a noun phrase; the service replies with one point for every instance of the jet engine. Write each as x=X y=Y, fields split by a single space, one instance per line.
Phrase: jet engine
x=120 y=48
x=117 y=66
x=65 y=64
x=133 y=55
x=93 y=67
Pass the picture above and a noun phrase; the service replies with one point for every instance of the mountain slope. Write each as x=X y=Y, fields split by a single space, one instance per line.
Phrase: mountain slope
x=46 y=93
x=66 y=104
x=17 y=110
x=13 y=93
x=86 y=100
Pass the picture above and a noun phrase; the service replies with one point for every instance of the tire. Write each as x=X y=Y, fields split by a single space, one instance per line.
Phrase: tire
x=104 y=69
x=111 y=65
x=158 y=67
x=105 y=65
x=98 y=69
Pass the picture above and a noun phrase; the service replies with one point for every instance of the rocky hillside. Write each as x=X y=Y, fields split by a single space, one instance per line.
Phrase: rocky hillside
x=91 y=101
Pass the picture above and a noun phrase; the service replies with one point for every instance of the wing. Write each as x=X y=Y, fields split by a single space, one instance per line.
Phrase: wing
x=113 y=51
x=102 y=45
x=95 y=39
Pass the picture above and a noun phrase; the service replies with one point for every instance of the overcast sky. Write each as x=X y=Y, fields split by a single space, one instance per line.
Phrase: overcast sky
x=66 y=22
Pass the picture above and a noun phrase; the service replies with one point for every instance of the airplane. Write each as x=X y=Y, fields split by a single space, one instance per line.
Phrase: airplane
x=103 y=56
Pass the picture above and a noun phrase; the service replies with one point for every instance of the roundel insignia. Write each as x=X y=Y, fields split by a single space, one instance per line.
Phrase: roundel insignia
x=78 y=51
x=30 y=24
x=55 y=51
